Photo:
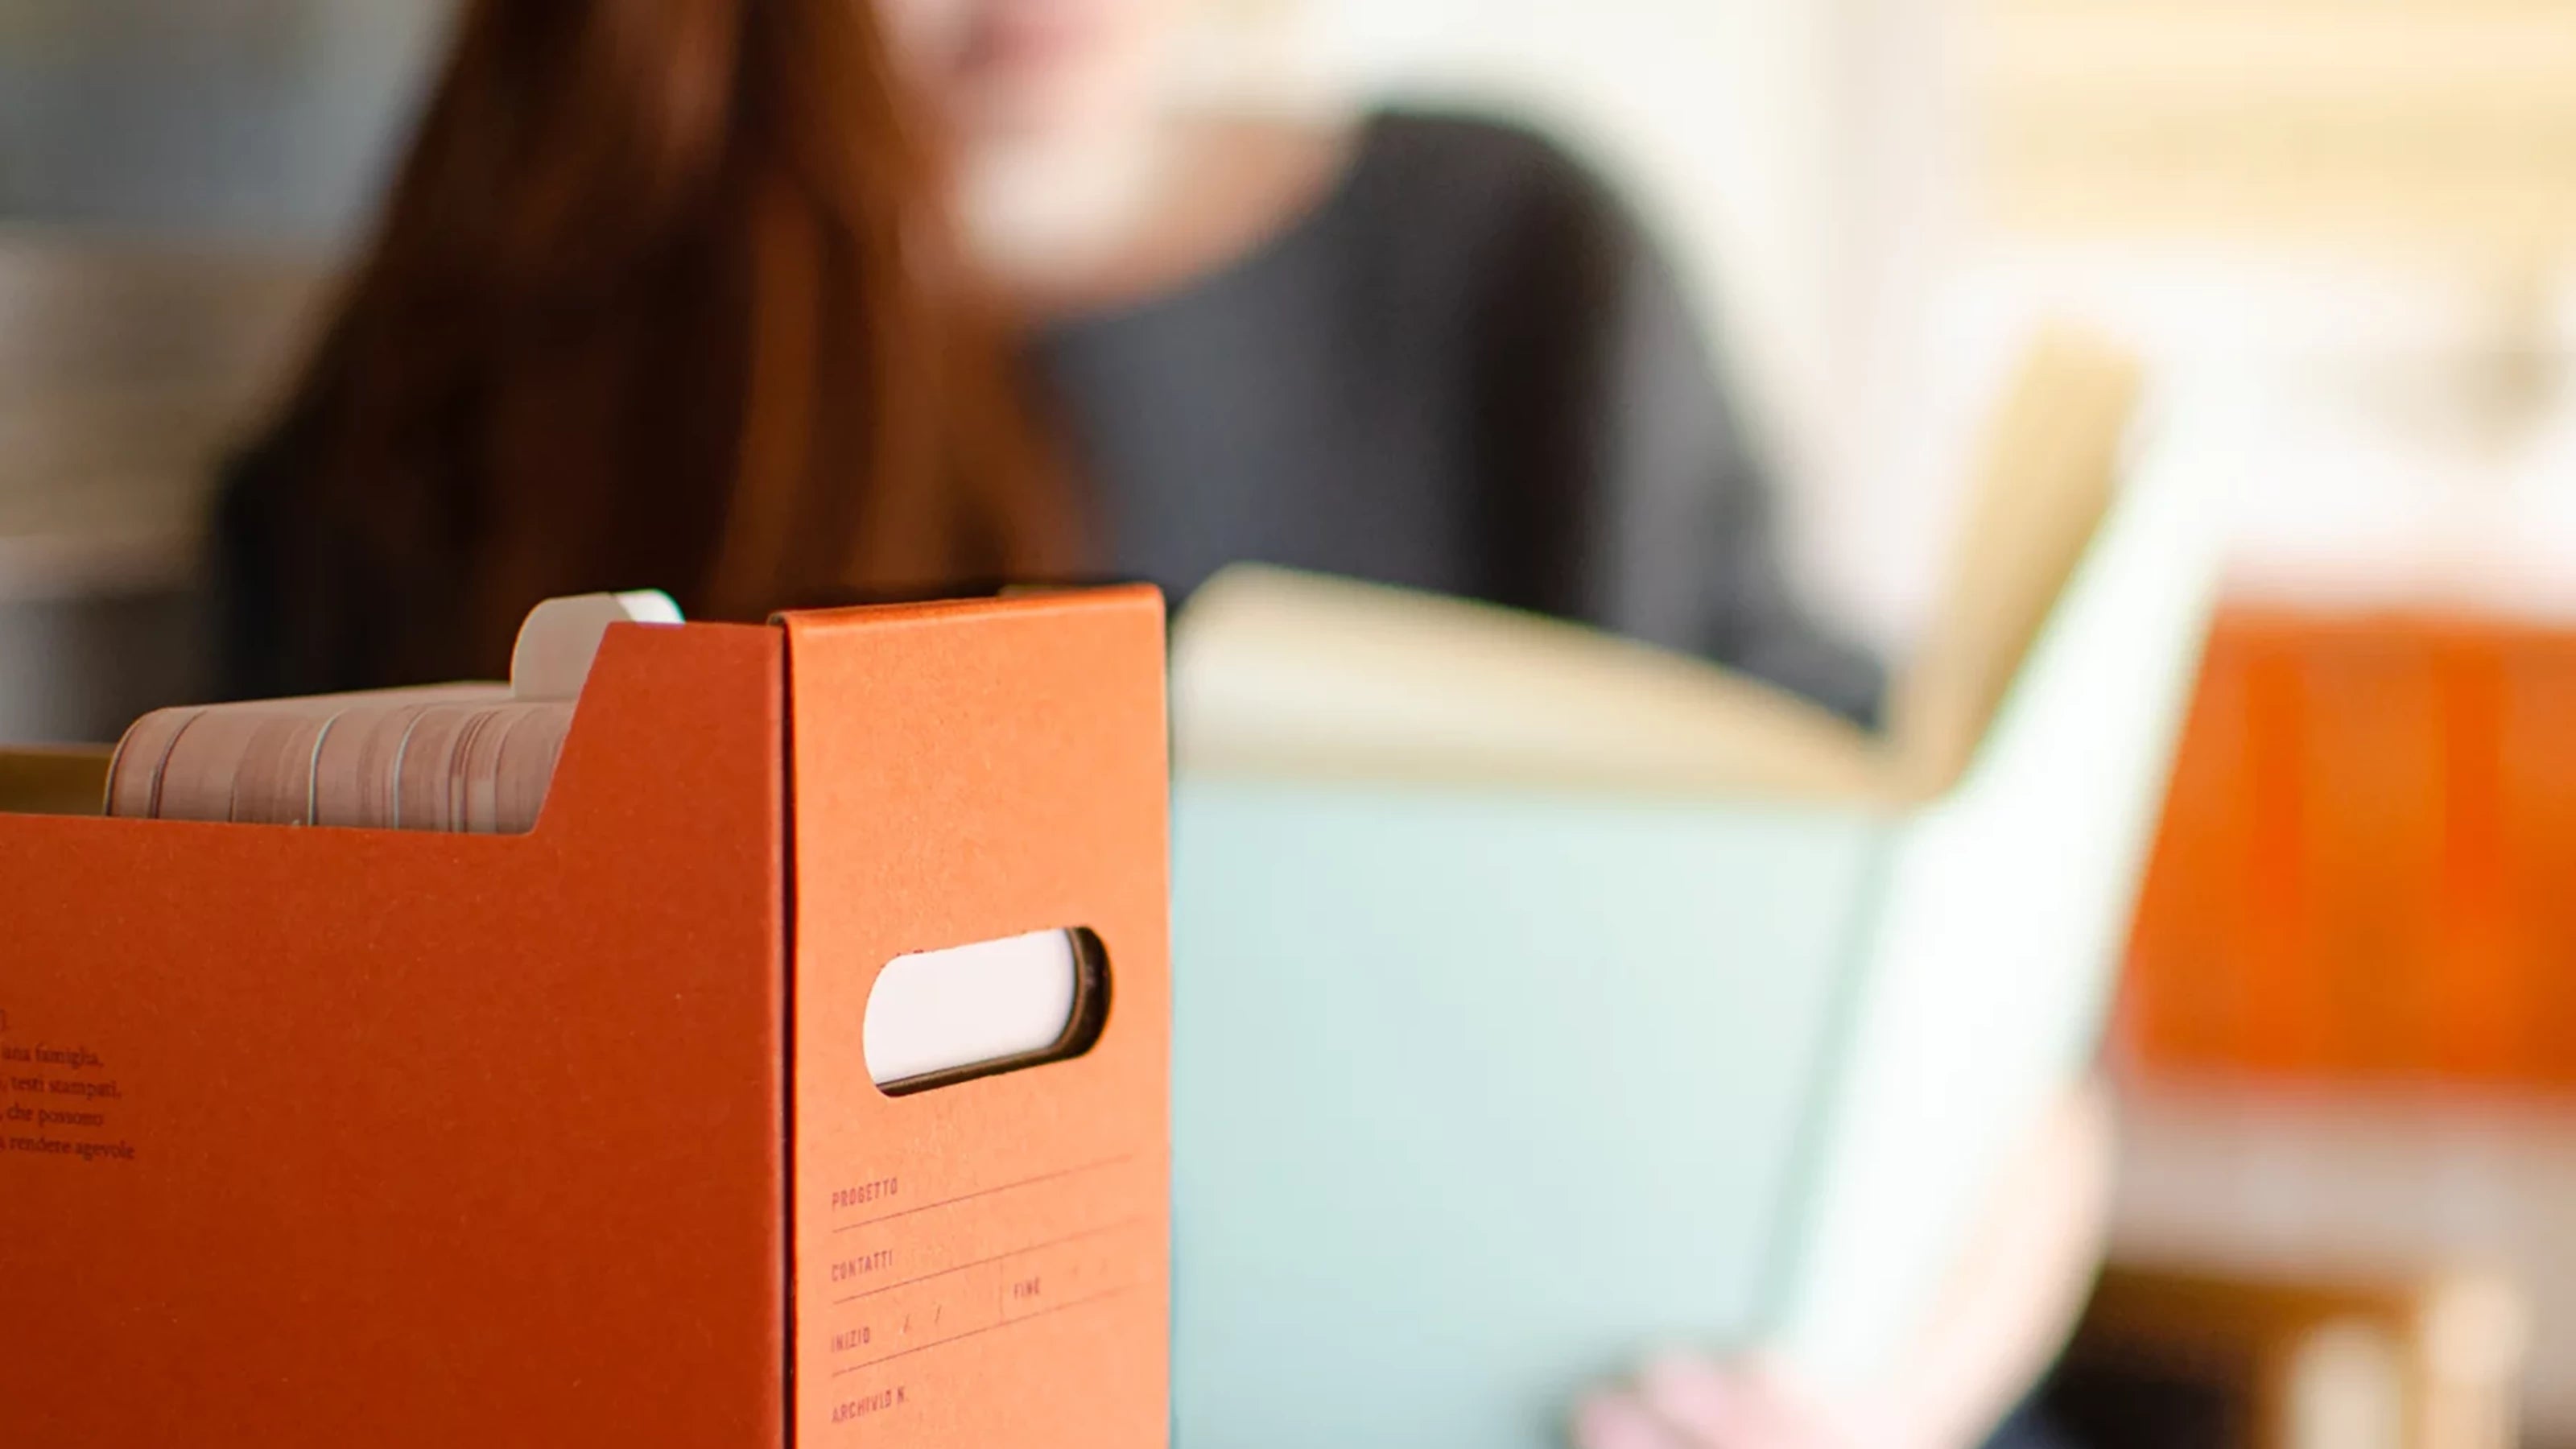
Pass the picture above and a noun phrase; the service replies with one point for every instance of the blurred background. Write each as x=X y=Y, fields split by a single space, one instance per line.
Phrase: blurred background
x=2348 y=1198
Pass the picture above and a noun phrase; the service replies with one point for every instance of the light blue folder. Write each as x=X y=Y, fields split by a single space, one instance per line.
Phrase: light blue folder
x=1481 y=1092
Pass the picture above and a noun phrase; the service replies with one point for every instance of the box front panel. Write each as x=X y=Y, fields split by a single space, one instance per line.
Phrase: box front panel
x=329 y=1138
x=982 y=1263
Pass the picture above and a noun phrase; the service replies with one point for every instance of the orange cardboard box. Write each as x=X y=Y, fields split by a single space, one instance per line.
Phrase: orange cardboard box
x=334 y=1137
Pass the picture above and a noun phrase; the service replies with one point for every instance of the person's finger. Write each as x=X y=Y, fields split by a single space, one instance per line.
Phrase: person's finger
x=1617 y=1421
x=1721 y=1407
x=1847 y=1420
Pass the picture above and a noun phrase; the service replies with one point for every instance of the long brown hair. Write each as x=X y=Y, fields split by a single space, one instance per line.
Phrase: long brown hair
x=664 y=296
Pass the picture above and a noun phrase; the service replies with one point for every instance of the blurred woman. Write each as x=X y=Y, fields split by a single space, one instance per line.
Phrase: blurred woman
x=664 y=294
x=713 y=294
x=780 y=301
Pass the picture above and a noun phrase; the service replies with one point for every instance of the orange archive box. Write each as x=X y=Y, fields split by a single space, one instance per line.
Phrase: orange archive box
x=322 y=1136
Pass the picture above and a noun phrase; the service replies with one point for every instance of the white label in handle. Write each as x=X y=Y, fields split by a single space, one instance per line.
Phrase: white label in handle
x=938 y=1015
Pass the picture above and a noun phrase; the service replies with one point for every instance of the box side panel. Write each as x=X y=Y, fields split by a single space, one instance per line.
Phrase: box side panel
x=1478 y=1098
x=408 y=1139
x=985 y=1263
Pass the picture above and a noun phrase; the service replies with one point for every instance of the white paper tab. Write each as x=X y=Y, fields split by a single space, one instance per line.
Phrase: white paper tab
x=561 y=636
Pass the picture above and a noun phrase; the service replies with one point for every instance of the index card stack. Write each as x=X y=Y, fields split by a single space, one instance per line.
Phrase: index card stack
x=473 y=758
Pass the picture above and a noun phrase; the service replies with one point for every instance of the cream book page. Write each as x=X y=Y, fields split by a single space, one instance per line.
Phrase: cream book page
x=1282 y=673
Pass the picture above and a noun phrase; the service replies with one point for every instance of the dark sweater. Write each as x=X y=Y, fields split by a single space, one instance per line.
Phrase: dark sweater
x=1465 y=369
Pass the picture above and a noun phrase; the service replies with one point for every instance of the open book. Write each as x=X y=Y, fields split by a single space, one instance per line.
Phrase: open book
x=1544 y=999
x=1277 y=672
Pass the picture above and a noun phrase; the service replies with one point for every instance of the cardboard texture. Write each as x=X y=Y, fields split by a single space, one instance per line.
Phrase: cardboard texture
x=332 y=1137
x=952 y=794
